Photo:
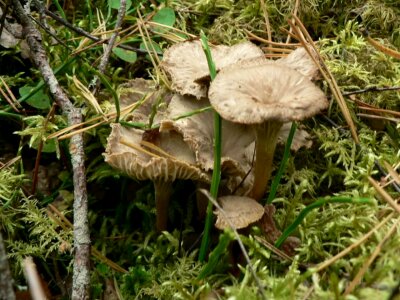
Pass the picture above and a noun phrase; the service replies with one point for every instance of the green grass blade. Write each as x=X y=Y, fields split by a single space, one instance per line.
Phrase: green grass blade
x=224 y=240
x=10 y=115
x=282 y=167
x=320 y=202
x=216 y=176
x=90 y=15
x=60 y=9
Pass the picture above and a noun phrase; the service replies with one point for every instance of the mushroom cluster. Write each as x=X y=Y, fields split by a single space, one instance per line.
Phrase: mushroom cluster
x=256 y=98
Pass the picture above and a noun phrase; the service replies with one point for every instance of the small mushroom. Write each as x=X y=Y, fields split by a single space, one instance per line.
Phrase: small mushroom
x=239 y=211
x=187 y=65
x=166 y=159
x=264 y=97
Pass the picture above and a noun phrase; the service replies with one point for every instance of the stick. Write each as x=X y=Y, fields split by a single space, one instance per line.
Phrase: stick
x=385 y=195
x=88 y=35
x=6 y=280
x=81 y=267
x=111 y=42
x=33 y=279
x=305 y=38
x=371 y=89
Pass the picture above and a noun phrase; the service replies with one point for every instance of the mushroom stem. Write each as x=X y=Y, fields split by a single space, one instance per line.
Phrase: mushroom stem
x=266 y=139
x=163 y=192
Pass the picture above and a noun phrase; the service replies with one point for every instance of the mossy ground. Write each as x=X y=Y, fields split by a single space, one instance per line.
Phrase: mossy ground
x=122 y=213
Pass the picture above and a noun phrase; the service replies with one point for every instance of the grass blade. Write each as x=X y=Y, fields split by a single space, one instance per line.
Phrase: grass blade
x=216 y=176
x=282 y=167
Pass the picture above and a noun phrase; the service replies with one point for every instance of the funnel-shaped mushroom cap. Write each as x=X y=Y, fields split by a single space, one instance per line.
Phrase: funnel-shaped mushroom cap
x=298 y=60
x=240 y=211
x=186 y=63
x=154 y=100
x=260 y=93
x=198 y=132
x=143 y=165
x=301 y=61
x=134 y=90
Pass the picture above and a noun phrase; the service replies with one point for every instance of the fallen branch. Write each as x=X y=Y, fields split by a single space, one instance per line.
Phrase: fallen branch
x=81 y=275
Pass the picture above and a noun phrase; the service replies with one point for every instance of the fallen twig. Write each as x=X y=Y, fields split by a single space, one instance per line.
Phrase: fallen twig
x=304 y=37
x=385 y=196
x=88 y=35
x=382 y=170
x=11 y=98
x=371 y=89
x=33 y=279
x=81 y=266
x=377 y=45
x=369 y=116
x=6 y=280
x=111 y=42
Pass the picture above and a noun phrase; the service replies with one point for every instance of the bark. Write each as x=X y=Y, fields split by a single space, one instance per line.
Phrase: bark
x=81 y=274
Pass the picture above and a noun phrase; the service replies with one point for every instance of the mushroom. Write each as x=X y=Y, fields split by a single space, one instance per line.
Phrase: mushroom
x=264 y=97
x=237 y=140
x=165 y=159
x=239 y=211
x=155 y=100
x=187 y=65
x=301 y=61
x=198 y=132
x=298 y=59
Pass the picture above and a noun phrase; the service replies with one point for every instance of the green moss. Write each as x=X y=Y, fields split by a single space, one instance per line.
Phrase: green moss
x=122 y=211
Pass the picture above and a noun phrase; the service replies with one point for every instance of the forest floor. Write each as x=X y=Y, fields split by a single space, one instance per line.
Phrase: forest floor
x=97 y=225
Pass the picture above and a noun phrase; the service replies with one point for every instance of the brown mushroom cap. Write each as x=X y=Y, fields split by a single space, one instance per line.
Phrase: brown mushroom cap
x=198 y=132
x=298 y=60
x=138 y=89
x=142 y=166
x=301 y=61
x=186 y=63
x=255 y=94
x=240 y=211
